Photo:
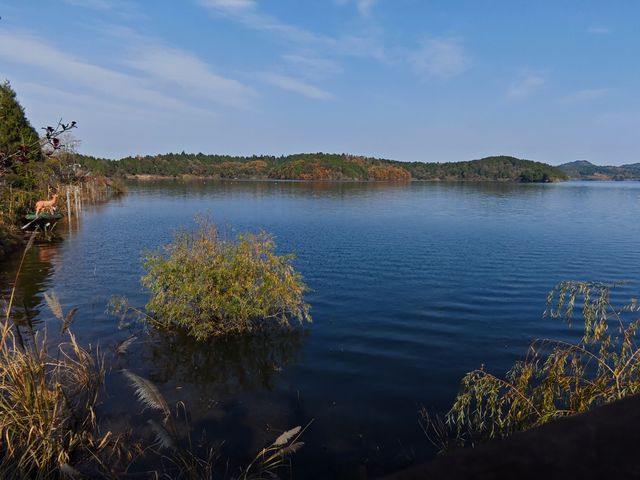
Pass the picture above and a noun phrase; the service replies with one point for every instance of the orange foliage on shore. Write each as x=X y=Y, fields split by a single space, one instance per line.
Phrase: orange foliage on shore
x=389 y=173
x=318 y=172
x=258 y=165
x=357 y=159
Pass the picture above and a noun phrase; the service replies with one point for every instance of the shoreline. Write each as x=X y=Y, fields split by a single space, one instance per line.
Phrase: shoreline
x=10 y=242
x=187 y=177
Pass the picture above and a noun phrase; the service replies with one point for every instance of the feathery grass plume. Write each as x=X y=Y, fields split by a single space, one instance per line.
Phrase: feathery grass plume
x=556 y=378
x=68 y=320
x=54 y=305
x=147 y=393
x=291 y=449
x=122 y=346
x=275 y=457
x=179 y=457
x=163 y=437
x=69 y=472
x=286 y=436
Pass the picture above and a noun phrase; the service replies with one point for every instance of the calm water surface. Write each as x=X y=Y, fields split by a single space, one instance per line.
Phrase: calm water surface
x=412 y=286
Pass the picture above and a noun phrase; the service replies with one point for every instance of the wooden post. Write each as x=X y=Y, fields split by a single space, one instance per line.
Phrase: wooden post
x=68 y=203
x=77 y=197
x=68 y=209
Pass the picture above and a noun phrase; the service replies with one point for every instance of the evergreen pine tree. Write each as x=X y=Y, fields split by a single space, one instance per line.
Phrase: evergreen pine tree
x=18 y=139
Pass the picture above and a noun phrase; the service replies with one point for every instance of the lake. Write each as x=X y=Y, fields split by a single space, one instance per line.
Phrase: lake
x=412 y=286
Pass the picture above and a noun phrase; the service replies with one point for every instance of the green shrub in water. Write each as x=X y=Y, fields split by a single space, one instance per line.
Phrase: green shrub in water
x=208 y=286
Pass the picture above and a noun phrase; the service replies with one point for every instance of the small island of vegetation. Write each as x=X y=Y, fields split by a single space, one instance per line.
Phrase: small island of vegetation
x=206 y=286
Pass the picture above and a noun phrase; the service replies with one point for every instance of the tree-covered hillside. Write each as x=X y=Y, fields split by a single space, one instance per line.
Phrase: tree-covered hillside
x=500 y=168
x=584 y=170
x=323 y=166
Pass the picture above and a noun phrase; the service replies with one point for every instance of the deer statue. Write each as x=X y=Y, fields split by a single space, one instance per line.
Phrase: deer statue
x=46 y=205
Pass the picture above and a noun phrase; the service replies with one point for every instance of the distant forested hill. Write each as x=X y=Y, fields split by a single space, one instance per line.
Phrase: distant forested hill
x=583 y=170
x=323 y=166
x=500 y=168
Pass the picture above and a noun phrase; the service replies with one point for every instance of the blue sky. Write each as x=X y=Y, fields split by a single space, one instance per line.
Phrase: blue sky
x=422 y=80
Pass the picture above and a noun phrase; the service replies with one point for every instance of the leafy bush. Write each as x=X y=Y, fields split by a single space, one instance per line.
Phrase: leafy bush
x=208 y=286
x=556 y=378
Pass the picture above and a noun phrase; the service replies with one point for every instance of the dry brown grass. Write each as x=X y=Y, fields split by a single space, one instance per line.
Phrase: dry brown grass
x=49 y=429
x=47 y=406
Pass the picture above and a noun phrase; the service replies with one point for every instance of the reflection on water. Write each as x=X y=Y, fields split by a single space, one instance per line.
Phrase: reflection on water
x=242 y=188
x=32 y=282
x=411 y=286
x=232 y=364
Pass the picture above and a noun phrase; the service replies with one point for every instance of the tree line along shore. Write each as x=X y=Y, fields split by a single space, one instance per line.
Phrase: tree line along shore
x=321 y=166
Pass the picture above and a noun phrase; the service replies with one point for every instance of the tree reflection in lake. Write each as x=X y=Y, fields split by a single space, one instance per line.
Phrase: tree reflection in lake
x=33 y=280
x=231 y=364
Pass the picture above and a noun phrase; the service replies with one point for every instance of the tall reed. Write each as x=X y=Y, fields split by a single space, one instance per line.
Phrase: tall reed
x=48 y=422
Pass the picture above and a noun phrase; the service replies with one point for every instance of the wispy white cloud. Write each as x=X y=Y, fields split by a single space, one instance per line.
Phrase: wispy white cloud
x=364 y=6
x=440 y=57
x=248 y=13
x=235 y=4
x=586 y=95
x=161 y=69
x=525 y=86
x=71 y=101
x=172 y=67
x=95 y=4
x=122 y=8
x=114 y=128
x=295 y=85
x=599 y=30
x=178 y=68
x=27 y=49
x=311 y=65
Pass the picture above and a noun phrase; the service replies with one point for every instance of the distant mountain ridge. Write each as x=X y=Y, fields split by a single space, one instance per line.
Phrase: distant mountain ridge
x=323 y=166
x=584 y=170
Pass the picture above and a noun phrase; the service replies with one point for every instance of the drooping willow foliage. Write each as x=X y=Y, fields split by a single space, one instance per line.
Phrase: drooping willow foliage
x=556 y=378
